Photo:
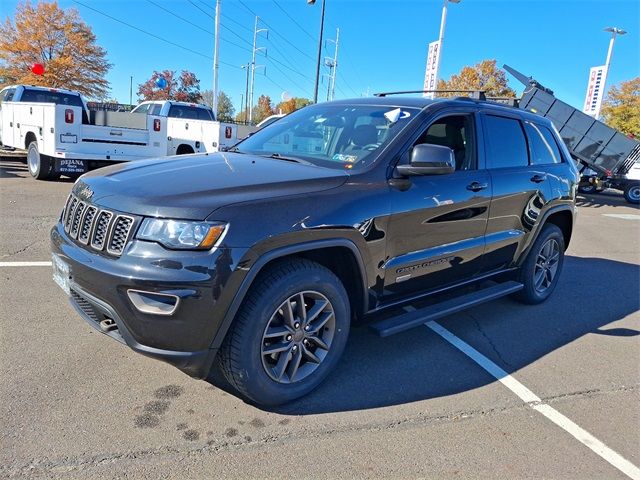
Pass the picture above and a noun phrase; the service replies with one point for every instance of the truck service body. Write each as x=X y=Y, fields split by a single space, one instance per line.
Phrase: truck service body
x=62 y=136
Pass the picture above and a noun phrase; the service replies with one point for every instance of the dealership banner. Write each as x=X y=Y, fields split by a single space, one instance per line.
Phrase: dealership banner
x=432 y=68
x=595 y=90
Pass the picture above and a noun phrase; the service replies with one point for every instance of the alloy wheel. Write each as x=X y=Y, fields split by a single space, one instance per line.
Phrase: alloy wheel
x=546 y=265
x=298 y=337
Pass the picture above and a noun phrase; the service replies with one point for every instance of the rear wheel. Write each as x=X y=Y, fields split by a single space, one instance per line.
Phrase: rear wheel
x=632 y=193
x=40 y=166
x=289 y=334
x=540 y=271
x=588 y=188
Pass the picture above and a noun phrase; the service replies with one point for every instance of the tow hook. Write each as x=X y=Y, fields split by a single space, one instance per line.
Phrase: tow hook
x=107 y=325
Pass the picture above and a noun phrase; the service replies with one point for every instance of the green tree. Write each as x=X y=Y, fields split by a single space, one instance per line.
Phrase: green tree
x=59 y=39
x=225 y=107
x=621 y=107
x=485 y=76
x=263 y=109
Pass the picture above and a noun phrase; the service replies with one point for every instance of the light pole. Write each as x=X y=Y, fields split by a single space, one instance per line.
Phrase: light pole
x=443 y=23
x=246 y=91
x=614 y=31
x=315 y=90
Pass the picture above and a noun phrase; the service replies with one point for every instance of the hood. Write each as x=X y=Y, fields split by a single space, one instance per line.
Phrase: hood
x=193 y=186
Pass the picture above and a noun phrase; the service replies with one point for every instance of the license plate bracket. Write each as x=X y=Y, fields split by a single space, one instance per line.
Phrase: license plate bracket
x=61 y=273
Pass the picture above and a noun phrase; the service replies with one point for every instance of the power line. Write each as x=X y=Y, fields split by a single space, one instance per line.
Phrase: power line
x=289 y=78
x=294 y=20
x=203 y=11
x=181 y=18
x=143 y=31
x=236 y=22
x=276 y=32
x=235 y=34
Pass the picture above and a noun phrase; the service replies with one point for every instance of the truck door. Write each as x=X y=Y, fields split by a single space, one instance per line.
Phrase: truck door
x=521 y=186
x=437 y=224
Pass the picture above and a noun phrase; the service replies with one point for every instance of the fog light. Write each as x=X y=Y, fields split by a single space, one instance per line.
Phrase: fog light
x=154 y=303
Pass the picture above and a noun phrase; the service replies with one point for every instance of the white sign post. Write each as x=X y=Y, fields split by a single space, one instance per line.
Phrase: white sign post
x=431 y=73
x=595 y=91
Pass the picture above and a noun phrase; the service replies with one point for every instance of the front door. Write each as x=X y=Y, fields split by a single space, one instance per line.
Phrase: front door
x=438 y=222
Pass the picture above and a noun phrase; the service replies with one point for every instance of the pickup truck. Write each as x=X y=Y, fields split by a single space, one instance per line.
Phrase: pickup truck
x=62 y=136
x=257 y=260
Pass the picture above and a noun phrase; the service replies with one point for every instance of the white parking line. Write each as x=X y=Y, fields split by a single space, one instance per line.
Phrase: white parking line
x=623 y=216
x=25 y=264
x=531 y=399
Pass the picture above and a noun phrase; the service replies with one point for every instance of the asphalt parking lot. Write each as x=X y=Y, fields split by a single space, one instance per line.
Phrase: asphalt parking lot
x=426 y=403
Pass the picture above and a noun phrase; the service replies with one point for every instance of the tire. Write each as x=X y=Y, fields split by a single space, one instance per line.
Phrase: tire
x=40 y=166
x=261 y=325
x=632 y=193
x=590 y=188
x=538 y=273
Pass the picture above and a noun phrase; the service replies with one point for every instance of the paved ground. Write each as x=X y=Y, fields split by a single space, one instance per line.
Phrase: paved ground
x=77 y=404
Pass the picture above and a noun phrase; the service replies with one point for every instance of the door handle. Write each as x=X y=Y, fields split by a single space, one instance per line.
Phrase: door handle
x=476 y=186
x=537 y=178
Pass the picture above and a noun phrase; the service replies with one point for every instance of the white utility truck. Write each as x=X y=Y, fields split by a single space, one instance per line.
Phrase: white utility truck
x=62 y=136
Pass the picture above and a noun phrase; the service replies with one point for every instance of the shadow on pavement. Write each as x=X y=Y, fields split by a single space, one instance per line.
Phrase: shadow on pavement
x=13 y=168
x=417 y=364
x=609 y=198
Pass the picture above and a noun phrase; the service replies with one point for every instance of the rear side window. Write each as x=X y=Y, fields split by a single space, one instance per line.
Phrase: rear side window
x=180 y=111
x=9 y=95
x=544 y=149
x=43 y=96
x=506 y=143
x=204 y=114
x=155 y=109
x=144 y=108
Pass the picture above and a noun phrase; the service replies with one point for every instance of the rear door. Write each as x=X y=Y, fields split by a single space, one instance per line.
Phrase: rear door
x=521 y=188
x=437 y=225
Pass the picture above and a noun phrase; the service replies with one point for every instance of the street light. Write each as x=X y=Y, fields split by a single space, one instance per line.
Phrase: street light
x=614 y=32
x=315 y=90
x=443 y=22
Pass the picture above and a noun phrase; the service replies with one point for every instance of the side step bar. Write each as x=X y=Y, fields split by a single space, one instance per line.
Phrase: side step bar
x=408 y=320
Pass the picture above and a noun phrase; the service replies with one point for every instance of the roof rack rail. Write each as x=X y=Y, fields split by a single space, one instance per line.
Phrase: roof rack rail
x=475 y=94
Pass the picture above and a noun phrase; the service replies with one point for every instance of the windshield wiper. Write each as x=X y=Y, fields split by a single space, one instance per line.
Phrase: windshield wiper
x=277 y=156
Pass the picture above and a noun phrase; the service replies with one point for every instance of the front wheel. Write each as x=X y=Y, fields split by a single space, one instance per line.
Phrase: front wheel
x=632 y=193
x=39 y=165
x=541 y=269
x=289 y=334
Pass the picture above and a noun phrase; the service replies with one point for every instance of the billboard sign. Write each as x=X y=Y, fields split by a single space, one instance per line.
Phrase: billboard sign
x=595 y=90
x=431 y=73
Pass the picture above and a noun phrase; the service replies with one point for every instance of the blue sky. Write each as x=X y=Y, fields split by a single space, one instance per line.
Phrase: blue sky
x=382 y=43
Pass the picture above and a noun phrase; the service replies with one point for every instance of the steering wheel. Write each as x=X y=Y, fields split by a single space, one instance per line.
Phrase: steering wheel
x=371 y=147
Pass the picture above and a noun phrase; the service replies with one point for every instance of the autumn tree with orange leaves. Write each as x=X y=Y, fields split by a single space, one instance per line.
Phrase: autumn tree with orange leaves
x=182 y=88
x=59 y=39
x=484 y=76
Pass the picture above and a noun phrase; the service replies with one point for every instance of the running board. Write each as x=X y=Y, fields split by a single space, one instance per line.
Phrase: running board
x=408 y=320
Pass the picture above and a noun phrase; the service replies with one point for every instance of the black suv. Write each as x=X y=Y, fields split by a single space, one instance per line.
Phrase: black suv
x=259 y=258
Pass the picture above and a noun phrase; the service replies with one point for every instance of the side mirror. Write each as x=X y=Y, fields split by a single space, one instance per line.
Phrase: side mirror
x=428 y=159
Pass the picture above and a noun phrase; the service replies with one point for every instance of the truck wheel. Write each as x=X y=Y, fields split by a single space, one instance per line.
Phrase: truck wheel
x=588 y=188
x=289 y=333
x=39 y=165
x=540 y=271
x=632 y=193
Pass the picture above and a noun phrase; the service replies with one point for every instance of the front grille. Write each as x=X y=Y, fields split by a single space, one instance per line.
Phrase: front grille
x=102 y=230
x=119 y=234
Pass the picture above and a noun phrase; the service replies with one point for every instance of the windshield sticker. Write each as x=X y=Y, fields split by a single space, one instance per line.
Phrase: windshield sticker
x=339 y=157
x=396 y=114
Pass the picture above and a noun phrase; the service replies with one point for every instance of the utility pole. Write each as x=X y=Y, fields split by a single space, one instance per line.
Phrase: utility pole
x=131 y=90
x=254 y=50
x=245 y=105
x=334 y=67
x=315 y=90
x=216 y=47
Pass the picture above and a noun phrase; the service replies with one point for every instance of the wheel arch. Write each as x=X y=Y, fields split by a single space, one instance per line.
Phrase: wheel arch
x=562 y=216
x=338 y=255
x=28 y=138
x=184 y=149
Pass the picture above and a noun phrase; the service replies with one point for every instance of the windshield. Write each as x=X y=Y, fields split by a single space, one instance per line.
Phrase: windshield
x=336 y=136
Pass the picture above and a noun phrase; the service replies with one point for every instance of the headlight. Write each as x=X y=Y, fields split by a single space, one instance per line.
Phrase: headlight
x=181 y=234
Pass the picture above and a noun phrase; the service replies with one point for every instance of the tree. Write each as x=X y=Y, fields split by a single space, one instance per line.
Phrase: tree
x=621 y=107
x=185 y=88
x=485 y=76
x=225 y=107
x=263 y=109
x=292 y=104
x=58 y=39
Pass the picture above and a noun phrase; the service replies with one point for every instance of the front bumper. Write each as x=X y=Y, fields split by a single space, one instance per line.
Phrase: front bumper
x=99 y=285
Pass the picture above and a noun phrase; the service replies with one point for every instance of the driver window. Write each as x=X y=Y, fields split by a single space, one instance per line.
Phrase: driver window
x=454 y=132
